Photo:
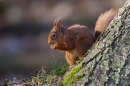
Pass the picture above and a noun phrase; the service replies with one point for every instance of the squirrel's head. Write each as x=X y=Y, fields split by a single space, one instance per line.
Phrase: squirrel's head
x=55 y=37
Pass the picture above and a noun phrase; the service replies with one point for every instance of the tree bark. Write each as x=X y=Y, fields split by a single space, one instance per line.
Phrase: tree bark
x=108 y=61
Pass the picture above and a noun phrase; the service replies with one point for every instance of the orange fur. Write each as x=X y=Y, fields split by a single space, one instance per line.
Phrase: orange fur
x=77 y=39
x=104 y=20
x=74 y=41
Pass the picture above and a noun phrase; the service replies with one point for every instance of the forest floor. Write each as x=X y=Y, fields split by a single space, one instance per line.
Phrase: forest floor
x=44 y=77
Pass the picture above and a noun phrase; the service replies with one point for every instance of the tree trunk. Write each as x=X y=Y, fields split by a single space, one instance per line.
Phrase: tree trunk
x=107 y=63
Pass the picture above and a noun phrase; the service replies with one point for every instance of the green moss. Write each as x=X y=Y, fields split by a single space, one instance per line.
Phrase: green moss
x=73 y=76
x=55 y=75
x=59 y=69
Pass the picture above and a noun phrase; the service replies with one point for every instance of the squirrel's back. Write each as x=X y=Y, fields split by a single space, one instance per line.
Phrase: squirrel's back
x=104 y=20
x=79 y=31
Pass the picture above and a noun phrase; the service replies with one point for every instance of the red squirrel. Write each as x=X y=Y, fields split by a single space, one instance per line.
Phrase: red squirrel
x=77 y=39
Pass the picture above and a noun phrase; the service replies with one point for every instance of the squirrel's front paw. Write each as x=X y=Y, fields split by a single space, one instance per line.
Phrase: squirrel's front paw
x=54 y=46
x=70 y=67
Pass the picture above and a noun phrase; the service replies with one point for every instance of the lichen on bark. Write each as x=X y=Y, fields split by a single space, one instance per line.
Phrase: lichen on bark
x=108 y=62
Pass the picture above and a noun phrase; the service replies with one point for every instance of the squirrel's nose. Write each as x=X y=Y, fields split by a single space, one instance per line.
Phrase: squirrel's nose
x=50 y=42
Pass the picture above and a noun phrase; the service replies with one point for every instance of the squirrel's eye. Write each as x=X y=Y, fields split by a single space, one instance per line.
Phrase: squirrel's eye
x=53 y=35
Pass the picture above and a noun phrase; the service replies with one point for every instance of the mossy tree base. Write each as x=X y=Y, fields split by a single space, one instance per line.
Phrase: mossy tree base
x=108 y=62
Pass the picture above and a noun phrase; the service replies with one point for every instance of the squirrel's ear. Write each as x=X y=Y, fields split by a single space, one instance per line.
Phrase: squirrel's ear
x=57 y=22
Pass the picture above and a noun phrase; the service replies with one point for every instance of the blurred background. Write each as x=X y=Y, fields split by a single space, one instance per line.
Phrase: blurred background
x=25 y=24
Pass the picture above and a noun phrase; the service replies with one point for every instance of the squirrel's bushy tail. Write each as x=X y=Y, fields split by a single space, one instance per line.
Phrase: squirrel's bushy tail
x=103 y=21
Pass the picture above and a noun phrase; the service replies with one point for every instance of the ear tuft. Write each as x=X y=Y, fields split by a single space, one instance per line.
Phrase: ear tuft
x=57 y=21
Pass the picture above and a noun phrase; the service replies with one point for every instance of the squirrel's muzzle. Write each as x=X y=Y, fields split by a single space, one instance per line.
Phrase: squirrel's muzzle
x=53 y=44
x=49 y=42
